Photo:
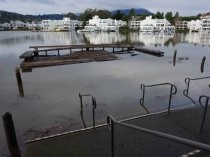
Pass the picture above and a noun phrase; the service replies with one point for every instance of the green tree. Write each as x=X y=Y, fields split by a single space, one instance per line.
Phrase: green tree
x=118 y=15
x=103 y=14
x=159 y=15
x=132 y=12
x=169 y=17
x=72 y=16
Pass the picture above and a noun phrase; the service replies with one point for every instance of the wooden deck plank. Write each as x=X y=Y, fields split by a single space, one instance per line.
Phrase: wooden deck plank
x=27 y=54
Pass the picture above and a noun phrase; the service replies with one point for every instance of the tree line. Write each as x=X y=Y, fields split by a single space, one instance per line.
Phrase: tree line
x=102 y=13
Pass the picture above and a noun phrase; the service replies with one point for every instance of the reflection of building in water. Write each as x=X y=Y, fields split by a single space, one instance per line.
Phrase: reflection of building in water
x=105 y=38
x=199 y=38
x=151 y=38
x=62 y=38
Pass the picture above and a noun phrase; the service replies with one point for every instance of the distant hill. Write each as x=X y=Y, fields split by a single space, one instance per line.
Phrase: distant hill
x=8 y=16
x=139 y=11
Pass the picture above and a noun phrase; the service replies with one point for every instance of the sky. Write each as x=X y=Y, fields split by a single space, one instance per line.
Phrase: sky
x=34 y=7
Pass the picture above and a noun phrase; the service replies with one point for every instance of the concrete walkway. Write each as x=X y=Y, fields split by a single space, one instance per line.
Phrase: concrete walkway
x=130 y=143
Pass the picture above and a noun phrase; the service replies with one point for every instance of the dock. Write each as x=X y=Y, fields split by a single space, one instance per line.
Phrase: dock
x=183 y=123
x=149 y=51
x=53 y=55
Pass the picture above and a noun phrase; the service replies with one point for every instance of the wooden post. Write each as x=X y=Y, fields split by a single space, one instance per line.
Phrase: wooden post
x=202 y=64
x=113 y=50
x=10 y=135
x=174 y=59
x=36 y=54
x=103 y=48
x=19 y=81
x=58 y=52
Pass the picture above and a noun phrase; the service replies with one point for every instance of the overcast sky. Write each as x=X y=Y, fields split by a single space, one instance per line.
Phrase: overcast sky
x=184 y=7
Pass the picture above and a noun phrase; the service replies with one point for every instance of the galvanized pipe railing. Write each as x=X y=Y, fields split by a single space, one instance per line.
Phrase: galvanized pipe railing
x=205 y=109
x=112 y=122
x=93 y=107
x=173 y=91
x=187 y=82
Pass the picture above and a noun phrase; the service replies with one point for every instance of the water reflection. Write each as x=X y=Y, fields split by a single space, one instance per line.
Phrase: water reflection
x=52 y=92
x=104 y=37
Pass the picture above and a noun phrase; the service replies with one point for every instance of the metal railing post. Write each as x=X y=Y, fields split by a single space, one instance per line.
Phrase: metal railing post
x=173 y=90
x=205 y=110
x=187 y=82
x=93 y=108
x=110 y=122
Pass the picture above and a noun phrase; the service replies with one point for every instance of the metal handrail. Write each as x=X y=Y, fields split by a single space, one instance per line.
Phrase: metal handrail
x=111 y=122
x=187 y=82
x=205 y=110
x=173 y=91
x=93 y=107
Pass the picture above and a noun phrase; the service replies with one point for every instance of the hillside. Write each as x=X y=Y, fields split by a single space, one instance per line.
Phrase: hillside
x=8 y=16
x=139 y=11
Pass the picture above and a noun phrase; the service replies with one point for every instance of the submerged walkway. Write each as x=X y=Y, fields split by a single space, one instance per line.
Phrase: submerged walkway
x=184 y=123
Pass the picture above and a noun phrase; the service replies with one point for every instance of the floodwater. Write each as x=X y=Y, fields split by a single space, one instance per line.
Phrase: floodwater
x=51 y=102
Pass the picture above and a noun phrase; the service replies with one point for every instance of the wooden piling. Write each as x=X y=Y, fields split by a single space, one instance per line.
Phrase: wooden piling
x=11 y=135
x=202 y=64
x=19 y=81
x=36 y=53
x=174 y=58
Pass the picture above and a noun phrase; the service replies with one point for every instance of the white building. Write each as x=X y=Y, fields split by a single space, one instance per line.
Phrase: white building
x=152 y=25
x=194 y=25
x=18 y=25
x=59 y=25
x=205 y=23
x=159 y=25
x=109 y=24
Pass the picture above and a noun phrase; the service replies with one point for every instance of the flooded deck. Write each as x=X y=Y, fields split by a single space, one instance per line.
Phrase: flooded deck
x=184 y=123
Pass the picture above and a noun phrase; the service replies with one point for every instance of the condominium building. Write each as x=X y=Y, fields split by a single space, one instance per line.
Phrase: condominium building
x=152 y=25
x=59 y=25
x=98 y=24
x=205 y=23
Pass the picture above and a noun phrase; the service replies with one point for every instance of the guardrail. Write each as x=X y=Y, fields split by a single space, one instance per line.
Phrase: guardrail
x=112 y=122
x=205 y=109
x=93 y=108
x=173 y=91
x=187 y=82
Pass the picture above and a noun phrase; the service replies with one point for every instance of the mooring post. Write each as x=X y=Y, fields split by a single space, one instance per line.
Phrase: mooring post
x=202 y=64
x=11 y=135
x=174 y=59
x=19 y=81
x=36 y=54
